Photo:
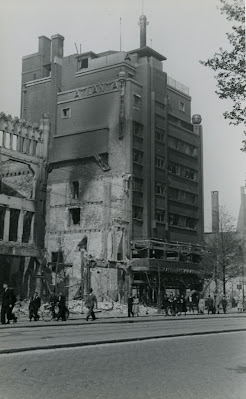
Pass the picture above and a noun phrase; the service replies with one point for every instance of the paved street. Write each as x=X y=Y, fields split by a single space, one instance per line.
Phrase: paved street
x=62 y=334
x=196 y=367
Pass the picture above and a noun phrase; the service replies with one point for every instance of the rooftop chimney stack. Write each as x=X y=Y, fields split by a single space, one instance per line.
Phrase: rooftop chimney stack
x=143 y=24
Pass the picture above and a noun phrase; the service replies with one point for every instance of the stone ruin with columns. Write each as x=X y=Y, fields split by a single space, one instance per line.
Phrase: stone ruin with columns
x=23 y=175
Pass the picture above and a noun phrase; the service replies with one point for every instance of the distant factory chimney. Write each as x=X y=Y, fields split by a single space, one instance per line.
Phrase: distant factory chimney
x=215 y=211
x=143 y=24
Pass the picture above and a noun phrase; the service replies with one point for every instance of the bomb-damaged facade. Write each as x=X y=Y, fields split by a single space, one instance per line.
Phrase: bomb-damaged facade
x=125 y=180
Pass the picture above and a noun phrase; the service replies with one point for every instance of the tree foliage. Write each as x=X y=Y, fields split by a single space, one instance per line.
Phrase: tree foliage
x=229 y=65
x=223 y=257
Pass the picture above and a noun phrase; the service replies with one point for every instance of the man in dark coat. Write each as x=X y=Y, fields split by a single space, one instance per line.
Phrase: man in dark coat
x=130 y=303
x=8 y=302
x=210 y=304
x=90 y=302
x=34 y=305
x=61 y=302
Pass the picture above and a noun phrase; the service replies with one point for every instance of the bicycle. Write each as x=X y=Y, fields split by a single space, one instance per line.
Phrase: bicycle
x=51 y=312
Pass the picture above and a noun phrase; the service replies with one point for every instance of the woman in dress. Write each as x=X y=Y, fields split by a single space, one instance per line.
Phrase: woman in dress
x=135 y=306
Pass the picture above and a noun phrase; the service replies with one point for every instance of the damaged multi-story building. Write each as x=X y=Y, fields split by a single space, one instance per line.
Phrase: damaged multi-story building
x=125 y=182
x=23 y=155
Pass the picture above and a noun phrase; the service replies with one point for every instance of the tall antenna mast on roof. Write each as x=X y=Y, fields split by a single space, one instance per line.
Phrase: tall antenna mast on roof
x=120 y=33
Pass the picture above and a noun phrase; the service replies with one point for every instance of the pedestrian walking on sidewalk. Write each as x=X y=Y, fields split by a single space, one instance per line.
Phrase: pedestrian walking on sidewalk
x=210 y=304
x=201 y=306
x=8 y=301
x=90 y=302
x=61 y=302
x=130 y=303
x=135 y=306
x=34 y=305
x=224 y=303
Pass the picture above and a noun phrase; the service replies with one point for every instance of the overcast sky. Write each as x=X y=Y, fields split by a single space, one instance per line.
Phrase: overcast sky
x=185 y=31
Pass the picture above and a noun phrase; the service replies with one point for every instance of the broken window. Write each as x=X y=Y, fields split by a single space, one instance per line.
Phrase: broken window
x=159 y=162
x=84 y=63
x=159 y=215
x=66 y=113
x=159 y=135
x=137 y=212
x=74 y=215
x=137 y=101
x=13 y=225
x=27 y=222
x=2 y=216
x=137 y=156
x=75 y=190
x=159 y=188
x=137 y=184
x=137 y=129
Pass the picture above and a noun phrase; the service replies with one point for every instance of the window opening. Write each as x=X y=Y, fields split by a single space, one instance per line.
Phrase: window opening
x=75 y=190
x=181 y=106
x=75 y=215
x=66 y=113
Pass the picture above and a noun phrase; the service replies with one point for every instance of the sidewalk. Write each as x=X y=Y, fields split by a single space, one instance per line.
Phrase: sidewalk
x=106 y=318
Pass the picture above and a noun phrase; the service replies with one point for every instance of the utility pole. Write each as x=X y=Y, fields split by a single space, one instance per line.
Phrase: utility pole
x=82 y=273
x=57 y=267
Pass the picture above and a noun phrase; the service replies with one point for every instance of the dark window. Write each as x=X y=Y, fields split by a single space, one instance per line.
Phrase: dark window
x=137 y=184
x=137 y=101
x=159 y=215
x=75 y=215
x=137 y=129
x=159 y=162
x=2 y=216
x=66 y=113
x=34 y=76
x=84 y=63
x=27 y=222
x=54 y=257
x=13 y=225
x=159 y=188
x=137 y=212
x=159 y=135
x=137 y=156
x=75 y=190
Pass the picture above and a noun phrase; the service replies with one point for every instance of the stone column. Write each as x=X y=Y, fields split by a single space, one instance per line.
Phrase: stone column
x=20 y=226
x=6 y=225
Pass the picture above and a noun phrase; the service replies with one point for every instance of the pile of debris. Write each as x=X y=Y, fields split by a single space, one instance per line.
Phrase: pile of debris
x=77 y=307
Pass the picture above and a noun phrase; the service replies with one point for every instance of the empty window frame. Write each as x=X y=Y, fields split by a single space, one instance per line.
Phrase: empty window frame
x=84 y=63
x=137 y=129
x=13 y=225
x=66 y=113
x=160 y=215
x=75 y=190
x=74 y=216
x=137 y=212
x=137 y=156
x=159 y=189
x=137 y=184
x=159 y=135
x=181 y=106
x=137 y=101
x=159 y=162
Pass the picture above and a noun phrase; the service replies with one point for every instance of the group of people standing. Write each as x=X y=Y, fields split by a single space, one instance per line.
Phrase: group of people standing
x=178 y=304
